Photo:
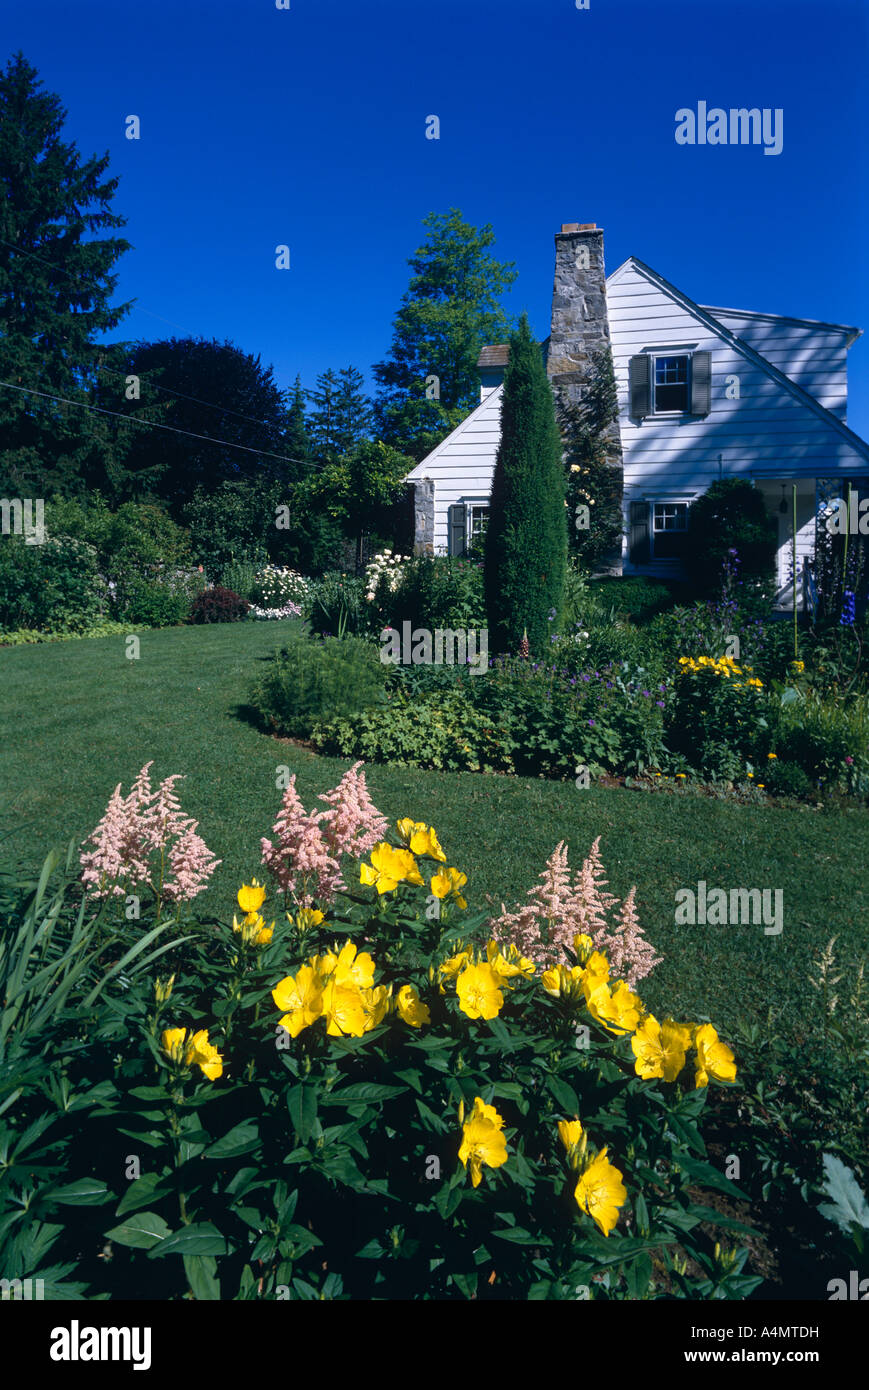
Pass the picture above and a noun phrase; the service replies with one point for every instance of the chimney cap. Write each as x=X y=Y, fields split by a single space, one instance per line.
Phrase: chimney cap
x=568 y=227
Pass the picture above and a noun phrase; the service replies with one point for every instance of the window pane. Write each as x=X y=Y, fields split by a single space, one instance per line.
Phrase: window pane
x=671 y=383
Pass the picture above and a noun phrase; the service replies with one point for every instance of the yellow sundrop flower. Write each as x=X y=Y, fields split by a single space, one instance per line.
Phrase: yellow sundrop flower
x=254 y=931
x=302 y=998
x=410 y=1007
x=375 y=1003
x=618 y=1010
x=483 y=1142
x=407 y=828
x=596 y=971
x=251 y=896
x=571 y=1134
x=514 y=963
x=660 y=1049
x=344 y=1008
x=441 y=884
x=478 y=989
x=389 y=867
x=714 y=1058
x=600 y=1192
x=451 y=967
x=172 y=1041
x=582 y=947
x=424 y=841
x=305 y=919
x=351 y=968
x=772 y=755
x=205 y=1055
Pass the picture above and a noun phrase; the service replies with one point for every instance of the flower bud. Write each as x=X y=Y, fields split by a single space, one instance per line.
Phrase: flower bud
x=163 y=989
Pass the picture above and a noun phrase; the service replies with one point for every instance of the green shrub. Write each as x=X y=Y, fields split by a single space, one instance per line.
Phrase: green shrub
x=717 y=718
x=730 y=517
x=827 y=738
x=102 y=627
x=786 y=779
x=241 y=577
x=156 y=605
x=335 y=606
x=429 y=592
x=219 y=605
x=311 y=680
x=51 y=586
x=634 y=596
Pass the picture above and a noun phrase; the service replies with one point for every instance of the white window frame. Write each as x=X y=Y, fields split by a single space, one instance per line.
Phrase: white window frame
x=472 y=504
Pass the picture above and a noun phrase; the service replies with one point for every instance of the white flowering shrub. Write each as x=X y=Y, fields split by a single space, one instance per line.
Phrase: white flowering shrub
x=275 y=587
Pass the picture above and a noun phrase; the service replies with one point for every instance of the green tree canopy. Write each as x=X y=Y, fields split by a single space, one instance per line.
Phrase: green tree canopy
x=526 y=538
x=55 y=291
x=449 y=312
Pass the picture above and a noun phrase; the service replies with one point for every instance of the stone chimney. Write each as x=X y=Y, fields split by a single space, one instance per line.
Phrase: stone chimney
x=580 y=327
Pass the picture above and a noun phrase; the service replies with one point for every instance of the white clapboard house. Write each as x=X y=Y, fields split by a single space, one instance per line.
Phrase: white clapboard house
x=704 y=393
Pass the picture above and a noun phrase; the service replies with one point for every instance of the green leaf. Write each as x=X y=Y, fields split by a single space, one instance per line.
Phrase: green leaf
x=638 y=1275
x=564 y=1094
x=362 y=1091
x=201 y=1271
x=302 y=1105
x=142 y=1232
x=848 y=1206
x=466 y=1284
x=709 y=1176
x=199 y=1239
x=520 y=1236
x=240 y=1140
x=87 y=1192
x=140 y=1192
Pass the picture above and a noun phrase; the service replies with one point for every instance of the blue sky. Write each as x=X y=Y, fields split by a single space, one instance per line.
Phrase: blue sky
x=306 y=126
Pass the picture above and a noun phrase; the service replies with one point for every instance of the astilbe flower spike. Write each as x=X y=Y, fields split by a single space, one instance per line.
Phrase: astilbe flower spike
x=545 y=927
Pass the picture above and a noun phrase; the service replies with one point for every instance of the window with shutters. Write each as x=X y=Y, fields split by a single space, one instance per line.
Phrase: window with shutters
x=478 y=520
x=670 y=385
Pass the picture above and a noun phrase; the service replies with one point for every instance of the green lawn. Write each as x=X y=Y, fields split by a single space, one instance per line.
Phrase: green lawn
x=78 y=717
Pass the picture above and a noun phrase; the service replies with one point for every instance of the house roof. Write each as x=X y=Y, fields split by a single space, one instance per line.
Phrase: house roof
x=494 y=356
x=706 y=316
x=852 y=333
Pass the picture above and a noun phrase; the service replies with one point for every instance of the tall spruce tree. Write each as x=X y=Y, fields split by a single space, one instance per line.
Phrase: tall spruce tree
x=55 y=288
x=429 y=381
x=526 y=538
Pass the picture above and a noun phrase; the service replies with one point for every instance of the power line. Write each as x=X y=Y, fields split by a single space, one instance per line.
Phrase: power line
x=224 y=410
x=149 y=424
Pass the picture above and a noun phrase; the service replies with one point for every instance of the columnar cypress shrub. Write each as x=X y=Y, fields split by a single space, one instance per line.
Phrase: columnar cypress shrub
x=526 y=539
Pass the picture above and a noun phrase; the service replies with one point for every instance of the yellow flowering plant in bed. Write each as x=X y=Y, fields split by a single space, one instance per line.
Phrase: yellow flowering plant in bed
x=362 y=1095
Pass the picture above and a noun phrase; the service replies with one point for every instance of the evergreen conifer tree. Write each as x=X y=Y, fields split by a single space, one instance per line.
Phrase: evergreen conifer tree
x=526 y=538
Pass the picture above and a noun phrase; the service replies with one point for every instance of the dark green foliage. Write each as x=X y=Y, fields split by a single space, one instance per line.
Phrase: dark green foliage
x=636 y=596
x=55 y=291
x=154 y=604
x=787 y=779
x=335 y=605
x=526 y=539
x=731 y=516
x=237 y=522
x=448 y=313
x=251 y=411
x=439 y=592
x=341 y=417
x=592 y=481
x=219 y=605
x=53 y=586
x=309 y=680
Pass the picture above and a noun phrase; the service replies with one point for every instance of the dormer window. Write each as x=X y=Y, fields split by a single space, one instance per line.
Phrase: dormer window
x=671 y=385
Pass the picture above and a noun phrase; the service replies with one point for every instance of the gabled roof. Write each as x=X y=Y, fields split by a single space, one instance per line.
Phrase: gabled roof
x=852 y=333
x=421 y=469
x=706 y=317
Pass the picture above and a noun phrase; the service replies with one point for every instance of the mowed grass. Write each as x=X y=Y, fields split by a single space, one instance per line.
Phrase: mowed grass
x=78 y=717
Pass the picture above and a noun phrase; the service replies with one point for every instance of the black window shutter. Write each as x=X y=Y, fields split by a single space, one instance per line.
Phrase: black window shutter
x=639 y=549
x=701 y=373
x=640 y=385
x=457 y=531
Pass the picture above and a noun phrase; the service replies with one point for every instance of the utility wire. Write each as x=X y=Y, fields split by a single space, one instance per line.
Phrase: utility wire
x=168 y=390
x=149 y=424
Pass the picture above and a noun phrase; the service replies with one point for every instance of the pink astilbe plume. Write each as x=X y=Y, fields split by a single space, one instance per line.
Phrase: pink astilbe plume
x=631 y=956
x=558 y=911
x=305 y=861
x=134 y=828
x=300 y=860
x=354 y=825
